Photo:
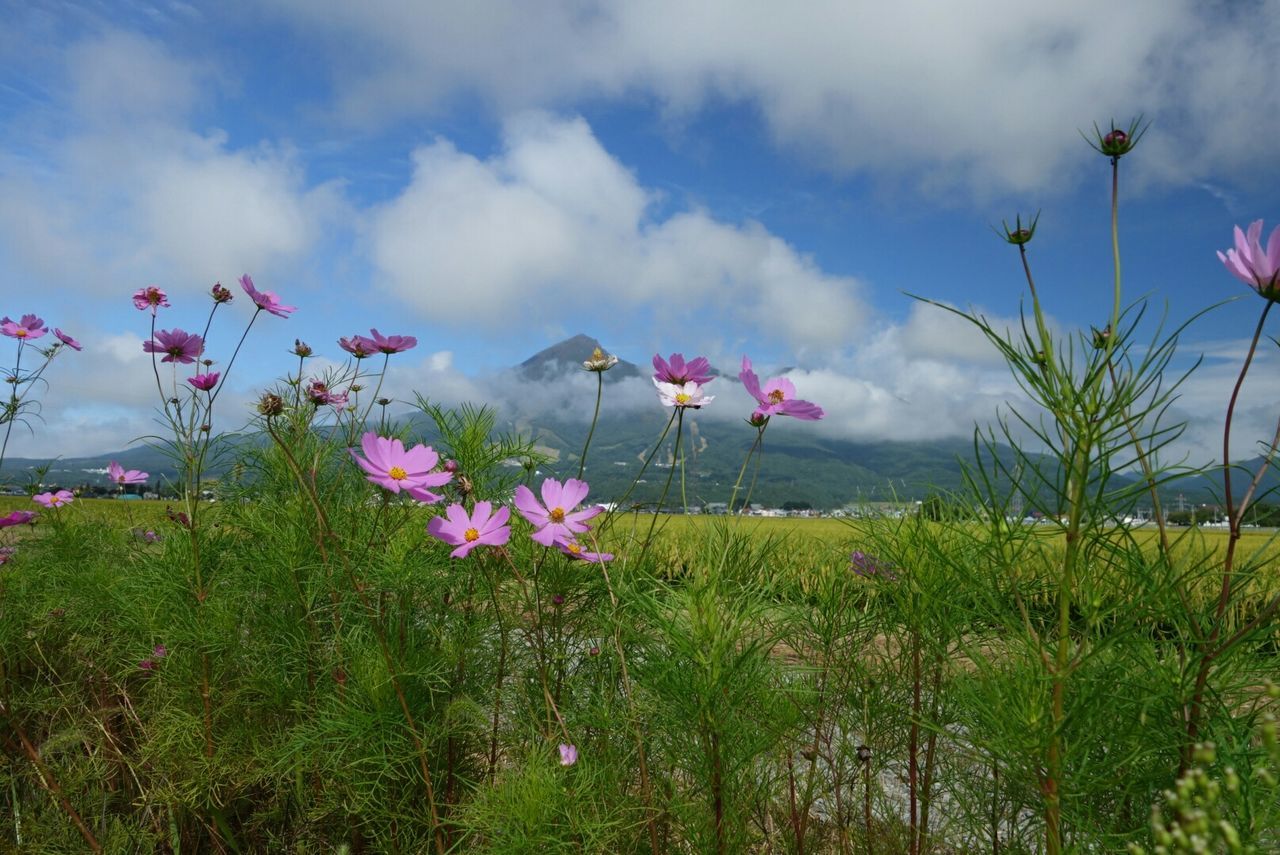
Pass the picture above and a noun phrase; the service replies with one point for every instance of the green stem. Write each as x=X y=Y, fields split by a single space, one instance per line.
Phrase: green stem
x=582 y=461
x=679 y=413
x=733 y=497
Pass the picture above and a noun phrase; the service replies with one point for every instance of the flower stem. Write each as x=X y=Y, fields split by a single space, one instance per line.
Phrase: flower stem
x=675 y=453
x=582 y=461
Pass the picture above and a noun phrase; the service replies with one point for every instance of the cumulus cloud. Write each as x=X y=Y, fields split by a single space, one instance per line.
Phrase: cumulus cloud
x=986 y=94
x=555 y=221
x=122 y=190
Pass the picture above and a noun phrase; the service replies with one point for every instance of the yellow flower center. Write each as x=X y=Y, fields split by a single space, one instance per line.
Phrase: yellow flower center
x=683 y=398
x=573 y=547
x=21 y=333
x=395 y=473
x=557 y=515
x=471 y=535
x=776 y=396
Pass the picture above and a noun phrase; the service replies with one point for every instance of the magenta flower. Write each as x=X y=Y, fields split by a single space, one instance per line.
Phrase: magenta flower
x=392 y=468
x=777 y=398
x=574 y=550
x=863 y=564
x=1251 y=264
x=677 y=372
x=54 y=500
x=178 y=346
x=6 y=552
x=555 y=517
x=160 y=651
x=688 y=395
x=481 y=528
x=358 y=346
x=265 y=300
x=146 y=665
x=204 y=382
x=390 y=343
x=17 y=518
x=568 y=754
x=118 y=474
x=151 y=298
x=66 y=339
x=320 y=394
x=150 y=536
x=29 y=327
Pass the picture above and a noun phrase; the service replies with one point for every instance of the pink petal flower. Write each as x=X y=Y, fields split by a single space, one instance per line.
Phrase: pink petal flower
x=265 y=300
x=568 y=754
x=151 y=298
x=66 y=339
x=54 y=500
x=30 y=327
x=177 y=345
x=777 y=398
x=204 y=382
x=390 y=343
x=358 y=346
x=390 y=466
x=483 y=527
x=677 y=372
x=119 y=475
x=1249 y=262
x=17 y=518
x=574 y=550
x=555 y=517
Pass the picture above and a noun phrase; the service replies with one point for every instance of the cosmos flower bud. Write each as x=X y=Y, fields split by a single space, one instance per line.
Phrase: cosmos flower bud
x=271 y=405
x=600 y=361
x=451 y=466
x=1020 y=235
x=557 y=599
x=1101 y=337
x=220 y=294
x=758 y=420
x=1117 y=142
x=301 y=348
x=382 y=402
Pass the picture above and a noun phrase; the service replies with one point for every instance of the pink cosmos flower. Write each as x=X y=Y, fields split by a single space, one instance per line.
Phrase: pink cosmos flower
x=220 y=294
x=481 y=528
x=67 y=340
x=6 y=552
x=119 y=475
x=677 y=372
x=147 y=665
x=555 y=516
x=390 y=343
x=1251 y=264
x=265 y=300
x=29 y=327
x=687 y=395
x=320 y=394
x=777 y=398
x=151 y=298
x=54 y=500
x=574 y=550
x=160 y=651
x=391 y=467
x=17 y=518
x=358 y=346
x=178 y=346
x=150 y=536
x=568 y=754
x=204 y=382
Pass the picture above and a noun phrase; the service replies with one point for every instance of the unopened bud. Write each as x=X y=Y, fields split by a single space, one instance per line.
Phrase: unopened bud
x=1101 y=337
x=382 y=402
x=450 y=466
x=220 y=294
x=301 y=348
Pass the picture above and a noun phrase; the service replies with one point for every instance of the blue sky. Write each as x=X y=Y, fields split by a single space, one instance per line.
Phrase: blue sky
x=718 y=178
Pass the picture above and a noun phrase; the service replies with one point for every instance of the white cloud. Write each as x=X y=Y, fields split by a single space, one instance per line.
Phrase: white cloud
x=987 y=94
x=122 y=191
x=554 y=221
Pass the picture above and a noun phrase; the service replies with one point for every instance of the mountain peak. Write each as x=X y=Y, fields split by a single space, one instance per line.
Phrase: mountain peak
x=568 y=355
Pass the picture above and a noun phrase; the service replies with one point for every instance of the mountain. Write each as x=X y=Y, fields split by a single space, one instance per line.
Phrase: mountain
x=568 y=355
x=799 y=464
